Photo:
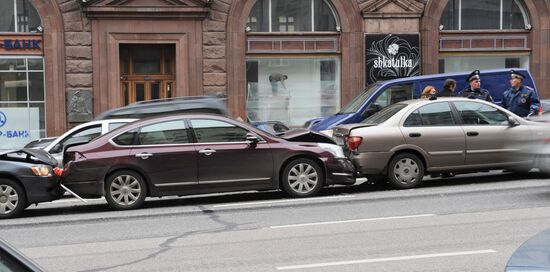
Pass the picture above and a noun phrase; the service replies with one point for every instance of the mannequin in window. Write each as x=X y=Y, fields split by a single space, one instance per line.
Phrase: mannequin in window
x=274 y=79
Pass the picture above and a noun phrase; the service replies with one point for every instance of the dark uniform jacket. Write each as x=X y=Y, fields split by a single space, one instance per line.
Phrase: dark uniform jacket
x=523 y=101
x=446 y=93
x=479 y=94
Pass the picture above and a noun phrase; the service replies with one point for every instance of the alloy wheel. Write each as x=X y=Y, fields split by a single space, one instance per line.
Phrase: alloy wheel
x=303 y=178
x=406 y=171
x=125 y=190
x=9 y=199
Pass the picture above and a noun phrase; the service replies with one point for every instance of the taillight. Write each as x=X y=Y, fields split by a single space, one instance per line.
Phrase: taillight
x=547 y=140
x=353 y=142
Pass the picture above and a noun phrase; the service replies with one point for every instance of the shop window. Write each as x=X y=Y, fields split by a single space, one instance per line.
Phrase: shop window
x=486 y=14
x=460 y=63
x=19 y=16
x=292 y=16
x=292 y=90
x=22 y=101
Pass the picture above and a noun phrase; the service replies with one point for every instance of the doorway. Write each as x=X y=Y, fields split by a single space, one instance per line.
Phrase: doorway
x=147 y=72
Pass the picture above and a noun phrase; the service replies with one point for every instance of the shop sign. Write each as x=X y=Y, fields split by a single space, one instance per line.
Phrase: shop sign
x=18 y=126
x=21 y=44
x=391 y=56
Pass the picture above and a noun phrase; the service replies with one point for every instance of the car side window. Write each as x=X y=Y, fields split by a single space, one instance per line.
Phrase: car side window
x=170 y=132
x=215 y=131
x=126 y=138
x=395 y=94
x=474 y=113
x=85 y=134
x=435 y=114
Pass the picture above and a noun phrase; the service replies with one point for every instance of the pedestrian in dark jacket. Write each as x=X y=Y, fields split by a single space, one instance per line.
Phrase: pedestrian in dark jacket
x=475 y=90
x=519 y=99
x=448 y=88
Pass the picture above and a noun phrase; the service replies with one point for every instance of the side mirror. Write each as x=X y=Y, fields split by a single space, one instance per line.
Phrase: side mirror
x=512 y=122
x=252 y=139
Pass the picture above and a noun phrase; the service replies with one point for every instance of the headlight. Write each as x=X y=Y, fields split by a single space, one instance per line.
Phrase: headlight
x=334 y=149
x=327 y=132
x=42 y=170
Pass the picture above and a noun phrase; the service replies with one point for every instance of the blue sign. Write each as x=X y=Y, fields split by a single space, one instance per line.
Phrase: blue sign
x=9 y=44
x=3 y=119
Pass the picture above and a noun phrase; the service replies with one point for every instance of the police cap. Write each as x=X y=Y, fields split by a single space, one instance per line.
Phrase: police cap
x=473 y=76
x=516 y=74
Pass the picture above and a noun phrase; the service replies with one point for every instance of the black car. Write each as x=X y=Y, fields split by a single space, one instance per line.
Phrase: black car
x=11 y=260
x=26 y=177
x=191 y=104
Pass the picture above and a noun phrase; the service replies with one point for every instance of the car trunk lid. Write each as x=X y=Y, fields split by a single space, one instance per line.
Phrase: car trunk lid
x=29 y=155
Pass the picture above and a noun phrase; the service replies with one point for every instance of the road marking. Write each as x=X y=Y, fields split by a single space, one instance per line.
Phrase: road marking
x=282 y=201
x=351 y=221
x=378 y=260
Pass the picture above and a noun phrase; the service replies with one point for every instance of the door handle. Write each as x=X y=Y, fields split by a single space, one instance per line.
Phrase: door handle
x=414 y=134
x=207 y=152
x=144 y=155
x=472 y=133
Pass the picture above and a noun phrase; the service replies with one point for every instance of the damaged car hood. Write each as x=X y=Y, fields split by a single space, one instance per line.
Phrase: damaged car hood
x=306 y=135
x=31 y=155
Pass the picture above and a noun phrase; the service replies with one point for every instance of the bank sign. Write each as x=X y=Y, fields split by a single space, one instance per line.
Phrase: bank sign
x=392 y=56
x=18 y=126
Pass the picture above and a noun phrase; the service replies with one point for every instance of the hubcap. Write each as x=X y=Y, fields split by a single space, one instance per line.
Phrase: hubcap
x=406 y=171
x=8 y=199
x=125 y=190
x=303 y=178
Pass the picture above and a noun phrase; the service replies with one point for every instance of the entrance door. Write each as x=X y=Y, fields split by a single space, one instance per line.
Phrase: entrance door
x=147 y=72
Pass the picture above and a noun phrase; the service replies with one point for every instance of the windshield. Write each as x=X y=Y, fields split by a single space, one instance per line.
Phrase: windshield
x=357 y=102
x=385 y=114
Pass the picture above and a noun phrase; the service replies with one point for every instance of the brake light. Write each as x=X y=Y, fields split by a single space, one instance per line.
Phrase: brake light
x=58 y=171
x=547 y=140
x=353 y=142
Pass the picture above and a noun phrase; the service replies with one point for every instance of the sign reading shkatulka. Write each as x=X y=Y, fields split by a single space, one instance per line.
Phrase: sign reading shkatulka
x=392 y=56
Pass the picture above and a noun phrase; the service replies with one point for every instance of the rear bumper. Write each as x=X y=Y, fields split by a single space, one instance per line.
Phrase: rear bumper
x=370 y=163
x=83 y=181
x=41 y=189
x=340 y=171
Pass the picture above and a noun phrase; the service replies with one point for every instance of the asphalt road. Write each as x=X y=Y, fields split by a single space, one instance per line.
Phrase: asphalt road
x=466 y=223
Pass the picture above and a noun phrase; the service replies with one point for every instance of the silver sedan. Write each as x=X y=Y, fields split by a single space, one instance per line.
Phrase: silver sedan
x=410 y=139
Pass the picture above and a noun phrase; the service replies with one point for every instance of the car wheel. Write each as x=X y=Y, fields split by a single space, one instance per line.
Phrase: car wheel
x=125 y=190
x=12 y=199
x=302 y=178
x=405 y=171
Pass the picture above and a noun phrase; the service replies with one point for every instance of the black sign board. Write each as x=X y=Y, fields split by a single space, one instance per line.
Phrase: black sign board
x=392 y=56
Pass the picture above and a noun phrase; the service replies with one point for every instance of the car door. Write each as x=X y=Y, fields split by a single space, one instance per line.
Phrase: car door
x=225 y=158
x=165 y=154
x=489 y=136
x=434 y=129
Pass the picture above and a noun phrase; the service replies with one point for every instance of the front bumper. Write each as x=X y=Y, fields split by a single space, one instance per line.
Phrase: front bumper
x=340 y=171
x=41 y=189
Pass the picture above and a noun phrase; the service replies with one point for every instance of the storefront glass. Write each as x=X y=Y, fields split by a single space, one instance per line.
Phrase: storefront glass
x=485 y=14
x=18 y=16
x=22 y=109
x=292 y=90
x=481 y=62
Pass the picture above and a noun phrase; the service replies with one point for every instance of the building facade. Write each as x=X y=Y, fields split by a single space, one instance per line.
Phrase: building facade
x=64 y=61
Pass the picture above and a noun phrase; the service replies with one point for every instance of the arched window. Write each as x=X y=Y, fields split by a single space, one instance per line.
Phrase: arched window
x=19 y=16
x=292 y=16
x=484 y=14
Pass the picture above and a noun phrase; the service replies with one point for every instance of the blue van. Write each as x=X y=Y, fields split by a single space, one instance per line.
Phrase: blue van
x=384 y=93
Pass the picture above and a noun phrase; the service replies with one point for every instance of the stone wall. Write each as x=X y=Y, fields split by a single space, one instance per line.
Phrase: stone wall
x=214 y=40
x=78 y=46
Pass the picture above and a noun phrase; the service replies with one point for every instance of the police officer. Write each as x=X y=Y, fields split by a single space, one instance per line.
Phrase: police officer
x=519 y=99
x=475 y=90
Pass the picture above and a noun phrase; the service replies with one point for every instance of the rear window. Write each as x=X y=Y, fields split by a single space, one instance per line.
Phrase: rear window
x=385 y=114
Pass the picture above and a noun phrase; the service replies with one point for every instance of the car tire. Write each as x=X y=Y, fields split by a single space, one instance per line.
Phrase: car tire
x=12 y=199
x=125 y=190
x=405 y=171
x=302 y=178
